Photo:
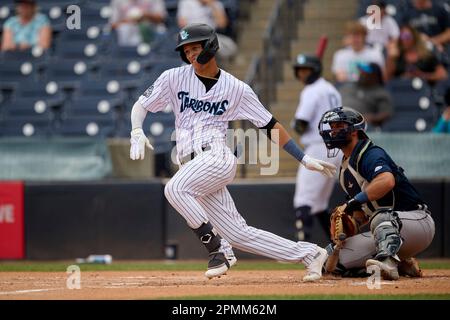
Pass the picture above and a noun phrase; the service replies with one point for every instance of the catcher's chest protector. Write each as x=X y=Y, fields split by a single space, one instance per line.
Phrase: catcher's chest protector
x=352 y=182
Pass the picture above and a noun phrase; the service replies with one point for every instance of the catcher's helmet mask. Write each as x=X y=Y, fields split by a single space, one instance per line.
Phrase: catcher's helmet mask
x=198 y=32
x=335 y=140
x=308 y=62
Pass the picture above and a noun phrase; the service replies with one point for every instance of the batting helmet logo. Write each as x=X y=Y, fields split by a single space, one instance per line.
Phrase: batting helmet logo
x=184 y=35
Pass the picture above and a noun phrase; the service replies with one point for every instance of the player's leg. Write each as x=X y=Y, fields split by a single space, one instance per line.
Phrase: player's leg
x=232 y=226
x=209 y=171
x=417 y=232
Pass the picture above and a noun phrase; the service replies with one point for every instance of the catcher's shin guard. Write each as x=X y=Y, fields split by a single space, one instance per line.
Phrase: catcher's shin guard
x=385 y=226
x=303 y=223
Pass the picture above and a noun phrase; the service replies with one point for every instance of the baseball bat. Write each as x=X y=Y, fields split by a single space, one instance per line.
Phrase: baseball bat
x=333 y=259
x=322 y=46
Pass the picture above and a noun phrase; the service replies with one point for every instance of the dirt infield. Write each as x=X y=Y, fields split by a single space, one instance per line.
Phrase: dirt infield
x=170 y=284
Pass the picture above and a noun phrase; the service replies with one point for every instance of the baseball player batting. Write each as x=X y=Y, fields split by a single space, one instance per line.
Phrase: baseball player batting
x=204 y=99
x=312 y=190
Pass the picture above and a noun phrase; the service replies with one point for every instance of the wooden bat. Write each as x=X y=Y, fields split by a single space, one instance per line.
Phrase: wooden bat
x=322 y=46
x=333 y=259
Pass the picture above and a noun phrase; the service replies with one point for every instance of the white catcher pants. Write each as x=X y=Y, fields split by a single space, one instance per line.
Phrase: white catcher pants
x=198 y=192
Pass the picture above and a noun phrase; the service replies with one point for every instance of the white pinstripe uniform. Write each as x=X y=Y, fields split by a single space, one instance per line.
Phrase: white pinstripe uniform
x=198 y=190
x=313 y=189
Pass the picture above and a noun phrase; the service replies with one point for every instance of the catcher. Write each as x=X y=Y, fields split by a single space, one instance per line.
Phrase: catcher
x=384 y=223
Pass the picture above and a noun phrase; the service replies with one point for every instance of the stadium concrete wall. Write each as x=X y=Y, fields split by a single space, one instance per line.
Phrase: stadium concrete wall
x=132 y=220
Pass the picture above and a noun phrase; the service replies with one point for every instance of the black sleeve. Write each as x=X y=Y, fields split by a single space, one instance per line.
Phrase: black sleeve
x=269 y=126
x=300 y=126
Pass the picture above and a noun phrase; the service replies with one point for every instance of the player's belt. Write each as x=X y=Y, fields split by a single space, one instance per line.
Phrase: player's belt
x=191 y=156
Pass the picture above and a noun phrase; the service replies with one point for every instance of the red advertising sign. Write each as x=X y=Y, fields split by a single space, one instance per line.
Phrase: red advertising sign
x=11 y=220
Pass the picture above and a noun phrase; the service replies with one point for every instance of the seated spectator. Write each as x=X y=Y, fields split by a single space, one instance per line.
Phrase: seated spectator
x=345 y=60
x=213 y=14
x=410 y=58
x=388 y=31
x=443 y=124
x=431 y=19
x=27 y=29
x=137 y=21
x=368 y=95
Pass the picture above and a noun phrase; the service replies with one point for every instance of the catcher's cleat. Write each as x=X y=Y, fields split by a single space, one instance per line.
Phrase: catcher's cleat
x=218 y=264
x=388 y=268
x=314 y=270
x=410 y=267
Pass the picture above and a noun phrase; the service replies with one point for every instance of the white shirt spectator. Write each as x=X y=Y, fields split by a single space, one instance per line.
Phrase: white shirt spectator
x=126 y=13
x=346 y=60
x=193 y=11
x=380 y=37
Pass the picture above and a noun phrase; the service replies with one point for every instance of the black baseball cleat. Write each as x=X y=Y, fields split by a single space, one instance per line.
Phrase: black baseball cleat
x=219 y=263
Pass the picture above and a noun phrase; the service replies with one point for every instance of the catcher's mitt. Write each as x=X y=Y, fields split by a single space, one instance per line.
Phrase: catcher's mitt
x=342 y=225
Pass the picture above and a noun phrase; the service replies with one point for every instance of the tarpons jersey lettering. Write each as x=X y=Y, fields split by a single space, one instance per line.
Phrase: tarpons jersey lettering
x=214 y=108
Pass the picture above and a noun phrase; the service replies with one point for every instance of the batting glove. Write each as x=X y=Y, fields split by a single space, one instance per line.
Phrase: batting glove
x=325 y=168
x=138 y=143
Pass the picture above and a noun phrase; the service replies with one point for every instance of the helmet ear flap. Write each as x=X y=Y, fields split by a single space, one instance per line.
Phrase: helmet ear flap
x=210 y=48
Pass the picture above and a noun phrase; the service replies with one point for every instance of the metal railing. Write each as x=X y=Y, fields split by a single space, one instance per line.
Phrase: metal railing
x=266 y=69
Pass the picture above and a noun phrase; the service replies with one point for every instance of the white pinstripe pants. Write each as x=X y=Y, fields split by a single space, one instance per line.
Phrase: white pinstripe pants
x=198 y=192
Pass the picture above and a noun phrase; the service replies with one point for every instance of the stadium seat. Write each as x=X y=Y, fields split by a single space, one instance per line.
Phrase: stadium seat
x=32 y=107
x=414 y=106
x=25 y=126
x=14 y=72
x=67 y=73
x=38 y=89
x=92 y=126
x=106 y=88
x=95 y=106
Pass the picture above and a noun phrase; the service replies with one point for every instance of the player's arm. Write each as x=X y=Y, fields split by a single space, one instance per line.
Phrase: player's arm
x=138 y=139
x=288 y=144
x=300 y=126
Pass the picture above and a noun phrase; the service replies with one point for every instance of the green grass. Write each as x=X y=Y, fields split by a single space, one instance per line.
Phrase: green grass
x=320 y=297
x=61 y=266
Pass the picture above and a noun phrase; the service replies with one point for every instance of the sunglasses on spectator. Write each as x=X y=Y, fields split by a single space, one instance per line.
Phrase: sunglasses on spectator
x=406 y=35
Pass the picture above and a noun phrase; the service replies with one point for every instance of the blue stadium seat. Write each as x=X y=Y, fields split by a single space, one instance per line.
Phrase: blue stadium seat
x=95 y=106
x=128 y=72
x=93 y=126
x=106 y=88
x=41 y=90
x=85 y=50
x=67 y=72
x=414 y=106
x=25 y=126
x=32 y=107
x=14 y=72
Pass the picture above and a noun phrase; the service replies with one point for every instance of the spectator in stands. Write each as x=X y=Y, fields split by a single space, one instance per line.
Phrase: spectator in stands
x=443 y=125
x=345 y=60
x=137 y=21
x=368 y=95
x=431 y=19
x=410 y=57
x=388 y=31
x=27 y=29
x=211 y=12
